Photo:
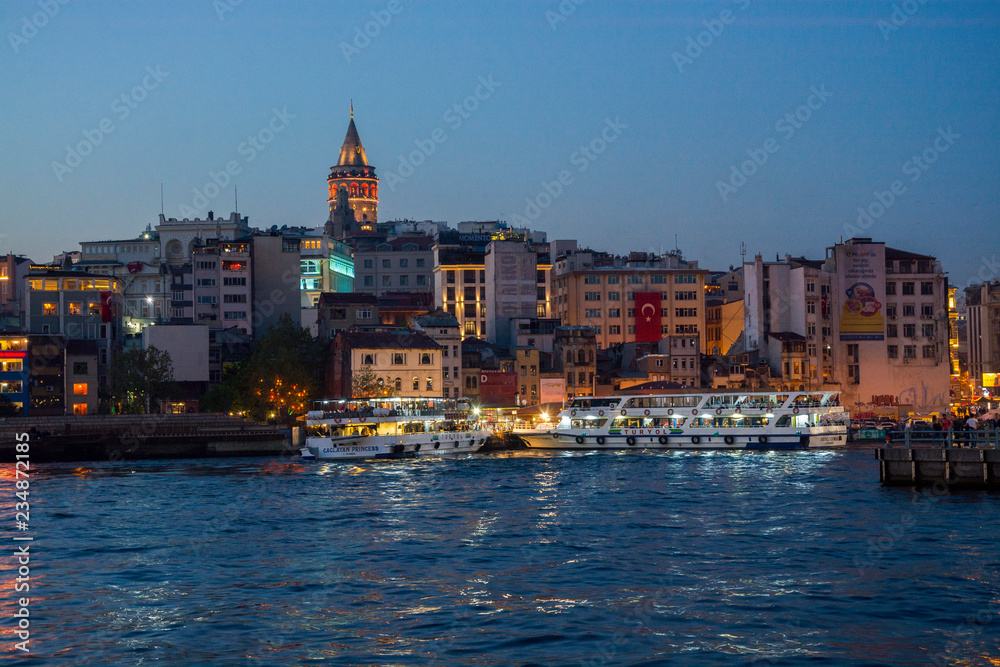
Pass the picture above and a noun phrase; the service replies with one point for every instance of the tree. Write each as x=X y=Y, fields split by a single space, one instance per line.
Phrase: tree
x=8 y=409
x=139 y=377
x=278 y=379
x=367 y=384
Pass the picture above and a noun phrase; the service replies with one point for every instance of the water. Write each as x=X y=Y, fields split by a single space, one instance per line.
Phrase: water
x=519 y=558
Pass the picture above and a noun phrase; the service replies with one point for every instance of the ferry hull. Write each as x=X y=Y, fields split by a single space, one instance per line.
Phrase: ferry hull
x=684 y=441
x=363 y=447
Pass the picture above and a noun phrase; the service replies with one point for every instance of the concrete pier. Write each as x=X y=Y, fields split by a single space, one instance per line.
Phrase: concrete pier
x=954 y=466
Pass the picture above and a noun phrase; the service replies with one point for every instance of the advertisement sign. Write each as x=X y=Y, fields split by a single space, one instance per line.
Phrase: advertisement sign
x=861 y=285
x=991 y=380
x=647 y=317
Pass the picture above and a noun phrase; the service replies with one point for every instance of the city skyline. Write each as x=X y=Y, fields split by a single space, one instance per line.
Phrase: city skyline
x=772 y=124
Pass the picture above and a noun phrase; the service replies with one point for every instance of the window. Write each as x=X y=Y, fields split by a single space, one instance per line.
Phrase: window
x=369 y=359
x=614 y=312
x=685 y=296
x=95 y=308
x=404 y=281
x=892 y=351
x=909 y=330
x=909 y=310
x=470 y=293
x=421 y=279
x=234 y=315
x=658 y=279
x=449 y=277
x=50 y=309
x=927 y=311
x=470 y=310
x=420 y=262
x=685 y=312
x=232 y=282
x=386 y=281
x=404 y=263
x=468 y=276
x=369 y=264
x=634 y=280
x=810 y=286
x=614 y=296
x=928 y=352
x=684 y=278
x=591 y=280
x=79 y=408
x=907 y=288
x=398 y=358
x=416 y=384
x=234 y=298
x=470 y=327
x=209 y=299
x=592 y=312
x=426 y=359
x=592 y=296
x=399 y=384
x=811 y=307
x=909 y=351
x=364 y=314
x=540 y=310
x=369 y=281
x=615 y=329
x=79 y=368
x=927 y=330
x=612 y=280
x=80 y=389
x=430 y=384
x=386 y=263
x=891 y=331
x=890 y=288
x=450 y=294
x=210 y=266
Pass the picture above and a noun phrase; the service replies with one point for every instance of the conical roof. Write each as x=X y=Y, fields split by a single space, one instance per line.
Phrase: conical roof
x=352 y=153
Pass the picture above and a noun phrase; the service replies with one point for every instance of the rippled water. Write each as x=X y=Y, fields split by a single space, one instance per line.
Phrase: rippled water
x=518 y=558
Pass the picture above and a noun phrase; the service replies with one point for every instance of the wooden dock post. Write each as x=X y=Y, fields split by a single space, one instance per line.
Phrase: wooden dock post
x=954 y=466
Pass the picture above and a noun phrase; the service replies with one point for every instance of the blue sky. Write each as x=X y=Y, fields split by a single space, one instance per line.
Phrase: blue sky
x=676 y=119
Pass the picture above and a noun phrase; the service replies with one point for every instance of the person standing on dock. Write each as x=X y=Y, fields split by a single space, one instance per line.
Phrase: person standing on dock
x=972 y=425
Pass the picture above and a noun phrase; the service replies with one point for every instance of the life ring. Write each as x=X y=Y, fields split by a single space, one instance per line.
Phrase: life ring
x=337 y=420
x=624 y=412
x=572 y=413
x=437 y=445
x=670 y=411
x=579 y=439
x=762 y=439
x=795 y=411
x=694 y=411
x=738 y=411
x=472 y=443
x=646 y=413
x=695 y=439
x=416 y=447
x=663 y=439
x=718 y=411
x=630 y=441
x=728 y=439
x=600 y=439
x=600 y=413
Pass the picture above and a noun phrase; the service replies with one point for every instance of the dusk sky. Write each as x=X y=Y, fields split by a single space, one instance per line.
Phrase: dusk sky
x=885 y=82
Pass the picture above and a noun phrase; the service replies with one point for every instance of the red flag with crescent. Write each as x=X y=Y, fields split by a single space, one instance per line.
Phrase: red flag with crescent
x=647 y=317
x=107 y=303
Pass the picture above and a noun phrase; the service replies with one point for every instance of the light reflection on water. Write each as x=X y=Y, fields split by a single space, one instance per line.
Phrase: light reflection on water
x=557 y=558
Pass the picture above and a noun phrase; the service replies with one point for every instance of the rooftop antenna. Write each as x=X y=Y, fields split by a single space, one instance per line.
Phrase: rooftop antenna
x=236 y=196
x=161 y=197
x=743 y=253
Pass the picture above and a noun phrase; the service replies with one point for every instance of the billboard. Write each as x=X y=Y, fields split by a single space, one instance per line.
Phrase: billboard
x=861 y=291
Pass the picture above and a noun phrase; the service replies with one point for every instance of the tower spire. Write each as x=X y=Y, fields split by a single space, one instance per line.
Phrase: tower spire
x=352 y=109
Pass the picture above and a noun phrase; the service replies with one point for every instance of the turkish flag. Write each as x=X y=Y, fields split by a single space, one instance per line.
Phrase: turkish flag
x=647 y=317
x=107 y=301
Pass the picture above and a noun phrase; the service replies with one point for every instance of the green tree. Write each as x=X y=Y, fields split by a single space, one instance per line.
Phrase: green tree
x=278 y=379
x=367 y=384
x=140 y=377
x=8 y=409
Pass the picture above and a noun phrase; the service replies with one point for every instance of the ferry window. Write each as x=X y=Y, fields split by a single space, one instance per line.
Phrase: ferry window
x=784 y=420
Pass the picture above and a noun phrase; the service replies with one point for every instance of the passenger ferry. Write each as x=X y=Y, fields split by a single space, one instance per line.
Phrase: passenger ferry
x=722 y=420
x=391 y=428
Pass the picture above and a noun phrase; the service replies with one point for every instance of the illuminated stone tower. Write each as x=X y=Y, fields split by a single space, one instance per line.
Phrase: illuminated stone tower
x=355 y=174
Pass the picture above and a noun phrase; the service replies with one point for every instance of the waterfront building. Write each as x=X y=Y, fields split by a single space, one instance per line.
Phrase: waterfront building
x=982 y=303
x=868 y=320
x=527 y=364
x=276 y=265
x=574 y=351
x=724 y=326
x=408 y=360
x=14 y=372
x=512 y=291
x=443 y=329
x=354 y=174
x=641 y=297
x=342 y=311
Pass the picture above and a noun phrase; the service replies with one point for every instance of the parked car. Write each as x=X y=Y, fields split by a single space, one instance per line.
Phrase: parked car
x=887 y=425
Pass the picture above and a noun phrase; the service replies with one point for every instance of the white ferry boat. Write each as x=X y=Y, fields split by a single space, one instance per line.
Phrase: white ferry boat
x=722 y=420
x=391 y=428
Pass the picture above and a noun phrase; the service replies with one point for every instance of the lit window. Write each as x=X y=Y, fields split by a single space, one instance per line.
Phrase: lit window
x=50 y=309
x=79 y=408
x=80 y=389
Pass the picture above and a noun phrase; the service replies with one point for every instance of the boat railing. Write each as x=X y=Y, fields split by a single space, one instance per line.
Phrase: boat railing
x=383 y=413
